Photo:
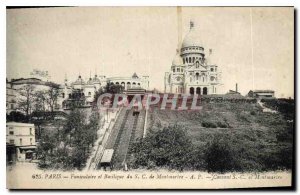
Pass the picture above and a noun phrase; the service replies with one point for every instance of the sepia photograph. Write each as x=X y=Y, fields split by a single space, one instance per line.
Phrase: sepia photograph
x=150 y=97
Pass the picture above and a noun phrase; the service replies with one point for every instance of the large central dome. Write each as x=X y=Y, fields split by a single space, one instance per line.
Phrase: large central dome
x=192 y=38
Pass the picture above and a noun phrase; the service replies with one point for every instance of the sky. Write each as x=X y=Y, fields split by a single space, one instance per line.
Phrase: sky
x=118 y=41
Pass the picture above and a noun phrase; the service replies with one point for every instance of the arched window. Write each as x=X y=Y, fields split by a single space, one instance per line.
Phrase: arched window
x=178 y=69
x=204 y=91
x=190 y=60
x=187 y=60
x=63 y=95
x=128 y=85
x=198 y=90
x=117 y=83
x=211 y=69
x=193 y=59
x=197 y=76
x=123 y=84
x=197 y=64
x=133 y=84
x=90 y=93
x=183 y=60
x=192 y=91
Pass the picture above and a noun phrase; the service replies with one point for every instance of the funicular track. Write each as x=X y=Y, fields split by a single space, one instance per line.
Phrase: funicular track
x=122 y=144
x=116 y=131
x=136 y=133
x=121 y=131
x=128 y=128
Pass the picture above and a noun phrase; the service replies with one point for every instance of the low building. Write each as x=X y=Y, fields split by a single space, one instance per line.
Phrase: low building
x=22 y=137
x=11 y=100
x=133 y=82
x=261 y=94
x=232 y=92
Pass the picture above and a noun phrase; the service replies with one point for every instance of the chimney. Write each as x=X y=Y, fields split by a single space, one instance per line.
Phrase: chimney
x=236 y=87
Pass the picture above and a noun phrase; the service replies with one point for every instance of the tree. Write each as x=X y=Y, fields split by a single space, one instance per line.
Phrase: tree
x=52 y=95
x=76 y=99
x=26 y=99
x=169 y=147
x=220 y=155
x=92 y=128
x=114 y=88
x=40 y=100
x=45 y=151
x=16 y=117
x=69 y=146
x=98 y=93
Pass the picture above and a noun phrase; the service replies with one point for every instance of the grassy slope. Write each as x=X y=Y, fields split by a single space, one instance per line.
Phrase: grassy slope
x=258 y=136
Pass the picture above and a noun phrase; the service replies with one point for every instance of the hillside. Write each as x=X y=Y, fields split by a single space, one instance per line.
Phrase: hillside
x=260 y=140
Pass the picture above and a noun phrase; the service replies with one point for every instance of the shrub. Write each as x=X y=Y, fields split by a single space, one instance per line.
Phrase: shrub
x=168 y=148
x=208 y=124
x=222 y=124
x=220 y=156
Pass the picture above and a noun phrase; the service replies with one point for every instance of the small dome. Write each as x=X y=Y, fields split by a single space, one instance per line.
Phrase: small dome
x=96 y=79
x=192 y=38
x=135 y=76
x=177 y=59
x=79 y=81
x=90 y=81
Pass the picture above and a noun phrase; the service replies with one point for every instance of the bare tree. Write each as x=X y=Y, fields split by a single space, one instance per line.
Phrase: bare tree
x=26 y=99
x=40 y=100
x=52 y=95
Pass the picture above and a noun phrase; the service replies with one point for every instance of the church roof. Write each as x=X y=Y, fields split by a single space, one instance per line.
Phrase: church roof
x=96 y=79
x=135 y=76
x=90 y=81
x=192 y=38
x=79 y=81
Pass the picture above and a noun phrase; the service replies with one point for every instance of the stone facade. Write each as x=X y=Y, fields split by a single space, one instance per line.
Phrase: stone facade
x=192 y=71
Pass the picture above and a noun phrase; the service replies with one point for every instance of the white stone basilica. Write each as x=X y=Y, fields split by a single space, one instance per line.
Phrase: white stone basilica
x=192 y=71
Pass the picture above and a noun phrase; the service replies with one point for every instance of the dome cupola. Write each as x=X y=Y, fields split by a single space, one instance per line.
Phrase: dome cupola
x=192 y=39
